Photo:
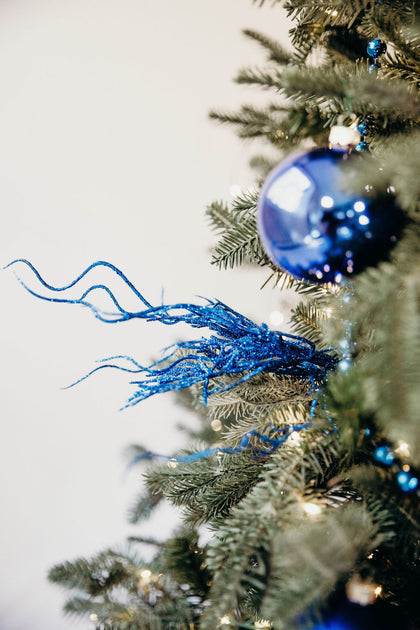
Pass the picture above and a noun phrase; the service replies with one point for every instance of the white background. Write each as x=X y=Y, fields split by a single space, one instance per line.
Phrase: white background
x=106 y=152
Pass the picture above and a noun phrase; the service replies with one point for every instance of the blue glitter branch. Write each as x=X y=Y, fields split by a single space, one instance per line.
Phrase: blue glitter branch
x=240 y=347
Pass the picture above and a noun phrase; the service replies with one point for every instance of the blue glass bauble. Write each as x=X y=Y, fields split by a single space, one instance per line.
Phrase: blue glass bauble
x=376 y=48
x=313 y=226
x=362 y=146
x=349 y=616
x=363 y=126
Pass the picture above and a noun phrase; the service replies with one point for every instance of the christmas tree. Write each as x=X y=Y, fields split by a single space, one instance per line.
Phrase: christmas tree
x=301 y=510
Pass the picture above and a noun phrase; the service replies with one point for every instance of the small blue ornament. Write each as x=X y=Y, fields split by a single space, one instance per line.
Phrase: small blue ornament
x=363 y=126
x=407 y=481
x=362 y=147
x=376 y=48
x=313 y=226
x=384 y=455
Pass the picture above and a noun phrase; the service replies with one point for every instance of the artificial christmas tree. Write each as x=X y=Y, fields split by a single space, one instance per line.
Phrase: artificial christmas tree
x=310 y=490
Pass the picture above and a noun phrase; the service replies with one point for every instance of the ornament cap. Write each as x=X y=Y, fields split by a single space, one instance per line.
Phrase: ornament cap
x=343 y=138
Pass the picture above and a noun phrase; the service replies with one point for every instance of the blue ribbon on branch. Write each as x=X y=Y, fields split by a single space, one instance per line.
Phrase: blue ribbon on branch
x=240 y=346
x=271 y=444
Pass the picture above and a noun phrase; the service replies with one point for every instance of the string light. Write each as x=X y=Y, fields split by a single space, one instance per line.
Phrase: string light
x=93 y=617
x=312 y=509
x=216 y=425
x=172 y=463
x=403 y=448
x=225 y=621
x=263 y=623
x=294 y=437
x=378 y=591
x=146 y=574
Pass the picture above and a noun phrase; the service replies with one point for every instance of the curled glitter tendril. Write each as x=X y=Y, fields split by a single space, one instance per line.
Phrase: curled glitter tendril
x=240 y=347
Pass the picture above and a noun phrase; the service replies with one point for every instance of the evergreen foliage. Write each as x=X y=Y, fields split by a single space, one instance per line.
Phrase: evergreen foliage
x=271 y=556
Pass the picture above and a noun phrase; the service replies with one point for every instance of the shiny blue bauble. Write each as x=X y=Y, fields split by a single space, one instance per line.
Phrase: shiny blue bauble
x=315 y=227
x=349 y=616
x=376 y=48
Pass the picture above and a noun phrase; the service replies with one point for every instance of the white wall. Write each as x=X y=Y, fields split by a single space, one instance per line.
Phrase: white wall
x=106 y=152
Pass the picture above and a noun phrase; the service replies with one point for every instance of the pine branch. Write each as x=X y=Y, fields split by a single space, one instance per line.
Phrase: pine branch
x=251 y=122
x=239 y=242
x=208 y=489
x=261 y=418
x=276 y=52
x=143 y=507
x=399 y=157
x=123 y=592
x=306 y=322
x=398 y=358
x=265 y=389
x=97 y=575
x=308 y=560
x=242 y=536
x=186 y=561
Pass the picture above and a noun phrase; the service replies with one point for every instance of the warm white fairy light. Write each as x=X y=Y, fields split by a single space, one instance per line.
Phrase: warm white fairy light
x=146 y=574
x=216 y=425
x=312 y=509
x=364 y=220
x=294 y=437
x=225 y=621
x=378 y=591
x=172 y=463
x=262 y=623
x=93 y=617
x=403 y=448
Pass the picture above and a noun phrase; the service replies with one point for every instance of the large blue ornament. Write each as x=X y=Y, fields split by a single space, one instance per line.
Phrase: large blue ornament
x=348 y=616
x=313 y=226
